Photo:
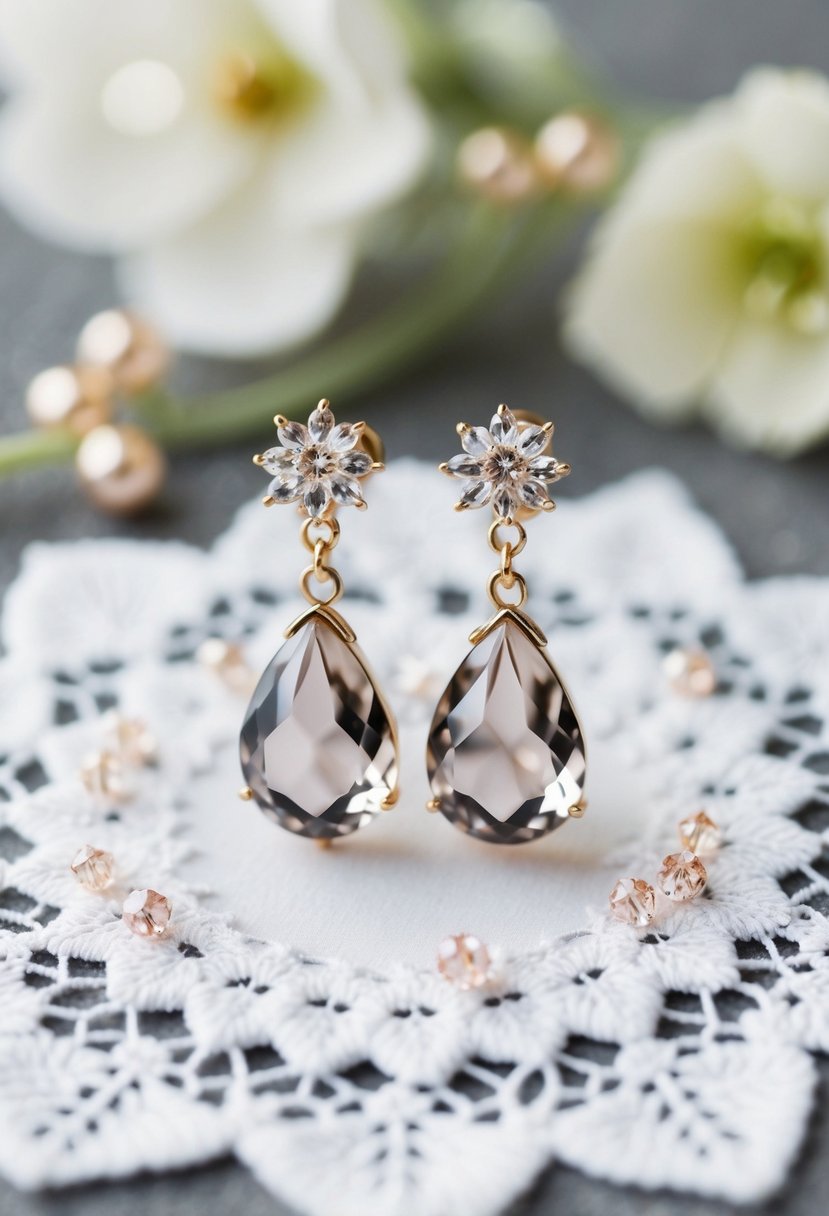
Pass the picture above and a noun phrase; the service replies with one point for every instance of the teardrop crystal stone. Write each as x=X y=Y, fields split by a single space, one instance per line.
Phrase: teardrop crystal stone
x=317 y=745
x=505 y=752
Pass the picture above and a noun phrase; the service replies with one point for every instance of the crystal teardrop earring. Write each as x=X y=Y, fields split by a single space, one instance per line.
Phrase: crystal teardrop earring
x=318 y=744
x=505 y=754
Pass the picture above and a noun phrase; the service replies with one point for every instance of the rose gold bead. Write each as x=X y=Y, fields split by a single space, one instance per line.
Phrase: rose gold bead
x=78 y=398
x=576 y=153
x=699 y=834
x=632 y=901
x=129 y=348
x=147 y=913
x=93 y=868
x=229 y=664
x=104 y=778
x=130 y=739
x=683 y=876
x=498 y=164
x=464 y=961
x=690 y=672
x=121 y=468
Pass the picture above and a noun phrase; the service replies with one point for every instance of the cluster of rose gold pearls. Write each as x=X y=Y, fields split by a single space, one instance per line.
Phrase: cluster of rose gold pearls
x=108 y=777
x=118 y=358
x=574 y=153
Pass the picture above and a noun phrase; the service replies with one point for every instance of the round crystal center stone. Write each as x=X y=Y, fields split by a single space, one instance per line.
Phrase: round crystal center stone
x=505 y=753
x=317 y=745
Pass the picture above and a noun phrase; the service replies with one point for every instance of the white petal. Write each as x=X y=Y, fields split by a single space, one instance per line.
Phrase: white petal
x=350 y=41
x=655 y=308
x=368 y=138
x=773 y=389
x=785 y=129
x=699 y=169
x=71 y=174
x=52 y=40
x=76 y=181
x=341 y=161
x=239 y=285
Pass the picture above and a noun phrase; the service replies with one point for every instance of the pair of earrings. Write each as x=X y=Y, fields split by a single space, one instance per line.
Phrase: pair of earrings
x=319 y=746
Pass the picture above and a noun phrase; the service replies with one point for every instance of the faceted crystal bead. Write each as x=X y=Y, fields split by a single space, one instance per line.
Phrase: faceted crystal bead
x=683 y=876
x=690 y=672
x=632 y=901
x=228 y=661
x=130 y=739
x=147 y=913
x=505 y=753
x=464 y=961
x=93 y=868
x=699 y=834
x=106 y=779
x=317 y=744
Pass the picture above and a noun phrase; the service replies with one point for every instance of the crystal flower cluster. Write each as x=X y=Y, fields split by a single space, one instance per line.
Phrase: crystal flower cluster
x=505 y=466
x=317 y=464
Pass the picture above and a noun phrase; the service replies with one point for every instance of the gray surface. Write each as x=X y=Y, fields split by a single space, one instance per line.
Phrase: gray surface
x=775 y=514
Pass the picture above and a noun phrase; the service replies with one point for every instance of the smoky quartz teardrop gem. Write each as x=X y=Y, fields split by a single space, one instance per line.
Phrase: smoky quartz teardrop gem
x=505 y=754
x=318 y=746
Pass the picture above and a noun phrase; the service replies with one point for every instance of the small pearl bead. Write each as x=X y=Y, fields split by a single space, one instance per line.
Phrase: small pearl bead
x=577 y=153
x=121 y=468
x=498 y=164
x=132 y=351
x=79 y=398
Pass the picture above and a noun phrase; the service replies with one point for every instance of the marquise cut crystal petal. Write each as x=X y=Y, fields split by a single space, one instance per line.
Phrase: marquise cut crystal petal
x=505 y=752
x=317 y=746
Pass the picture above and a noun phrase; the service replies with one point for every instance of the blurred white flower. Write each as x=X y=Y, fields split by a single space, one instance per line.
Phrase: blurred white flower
x=708 y=285
x=233 y=151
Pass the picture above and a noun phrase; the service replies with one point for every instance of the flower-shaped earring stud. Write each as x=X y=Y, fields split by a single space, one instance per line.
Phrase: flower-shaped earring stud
x=506 y=466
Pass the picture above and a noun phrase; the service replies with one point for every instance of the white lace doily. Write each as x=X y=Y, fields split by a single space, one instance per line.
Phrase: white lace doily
x=294 y=1016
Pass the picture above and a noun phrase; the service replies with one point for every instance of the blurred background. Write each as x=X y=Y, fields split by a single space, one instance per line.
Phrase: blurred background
x=657 y=53
x=664 y=56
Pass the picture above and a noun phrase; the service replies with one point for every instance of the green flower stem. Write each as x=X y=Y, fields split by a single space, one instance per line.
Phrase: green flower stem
x=496 y=246
x=32 y=448
x=485 y=256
